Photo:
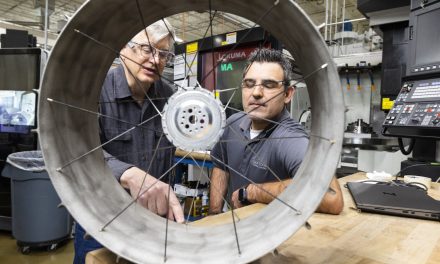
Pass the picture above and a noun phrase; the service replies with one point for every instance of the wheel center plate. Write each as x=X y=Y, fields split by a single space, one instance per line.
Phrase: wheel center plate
x=193 y=120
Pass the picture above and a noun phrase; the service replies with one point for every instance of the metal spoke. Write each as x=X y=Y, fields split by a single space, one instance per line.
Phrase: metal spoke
x=138 y=152
x=138 y=83
x=277 y=123
x=109 y=141
x=231 y=206
x=201 y=44
x=212 y=43
x=153 y=54
x=132 y=100
x=168 y=214
x=119 y=54
x=192 y=202
x=241 y=39
x=278 y=94
x=100 y=115
x=144 y=191
x=258 y=139
x=209 y=180
x=227 y=90
x=258 y=159
x=186 y=62
x=149 y=165
x=230 y=99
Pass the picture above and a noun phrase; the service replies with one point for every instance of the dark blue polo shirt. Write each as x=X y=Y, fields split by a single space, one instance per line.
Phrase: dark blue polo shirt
x=136 y=147
x=277 y=150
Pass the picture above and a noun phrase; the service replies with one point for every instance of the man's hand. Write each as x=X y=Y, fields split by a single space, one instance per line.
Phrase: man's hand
x=154 y=198
x=235 y=202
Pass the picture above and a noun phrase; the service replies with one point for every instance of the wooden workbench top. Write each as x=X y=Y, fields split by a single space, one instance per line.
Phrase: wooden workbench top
x=351 y=237
x=354 y=237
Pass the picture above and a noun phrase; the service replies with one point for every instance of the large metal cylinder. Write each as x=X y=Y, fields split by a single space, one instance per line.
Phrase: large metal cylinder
x=74 y=74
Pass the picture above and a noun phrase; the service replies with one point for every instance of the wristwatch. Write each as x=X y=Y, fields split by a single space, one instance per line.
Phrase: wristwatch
x=242 y=195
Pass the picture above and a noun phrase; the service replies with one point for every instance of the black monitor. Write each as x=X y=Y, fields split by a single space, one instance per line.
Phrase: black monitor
x=424 y=41
x=19 y=78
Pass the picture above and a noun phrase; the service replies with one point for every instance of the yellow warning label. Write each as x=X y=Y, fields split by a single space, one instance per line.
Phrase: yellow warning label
x=192 y=47
x=387 y=104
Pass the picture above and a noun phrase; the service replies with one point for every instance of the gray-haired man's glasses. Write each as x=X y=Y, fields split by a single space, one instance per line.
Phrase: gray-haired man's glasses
x=147 y=50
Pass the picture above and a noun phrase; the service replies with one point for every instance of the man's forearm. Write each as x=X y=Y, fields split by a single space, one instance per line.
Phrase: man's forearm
x=218 y=189
x=266 y=192
x=333 y=202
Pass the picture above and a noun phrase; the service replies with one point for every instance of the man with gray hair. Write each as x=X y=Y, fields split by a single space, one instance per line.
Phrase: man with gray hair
x=133 y=92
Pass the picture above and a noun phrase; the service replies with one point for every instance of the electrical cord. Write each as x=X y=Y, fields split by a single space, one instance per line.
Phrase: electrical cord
x=417 y=165
x=416 y=185
x=402 y=147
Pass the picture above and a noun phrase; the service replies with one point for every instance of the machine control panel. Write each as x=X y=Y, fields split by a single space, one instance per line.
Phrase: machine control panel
x=416 y=106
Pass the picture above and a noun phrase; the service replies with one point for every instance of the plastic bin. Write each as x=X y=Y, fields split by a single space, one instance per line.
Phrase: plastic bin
x=37 y=218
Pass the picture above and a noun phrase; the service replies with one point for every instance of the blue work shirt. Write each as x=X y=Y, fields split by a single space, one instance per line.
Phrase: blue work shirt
x=136 y=147
x=276 y=152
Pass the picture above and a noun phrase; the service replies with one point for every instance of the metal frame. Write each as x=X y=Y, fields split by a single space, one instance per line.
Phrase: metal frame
x=74 y=74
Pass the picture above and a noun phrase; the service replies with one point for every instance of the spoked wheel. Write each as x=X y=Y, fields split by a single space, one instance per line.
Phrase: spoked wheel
x=68 y=131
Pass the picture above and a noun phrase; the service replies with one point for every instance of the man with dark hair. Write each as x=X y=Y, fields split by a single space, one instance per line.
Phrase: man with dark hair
x=264 y=144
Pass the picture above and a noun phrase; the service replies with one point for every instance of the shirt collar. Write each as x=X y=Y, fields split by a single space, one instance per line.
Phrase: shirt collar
x=122 y=90
x=245 y=124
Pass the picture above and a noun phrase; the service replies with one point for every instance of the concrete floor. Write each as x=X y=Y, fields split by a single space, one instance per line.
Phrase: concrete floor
x=9 y=252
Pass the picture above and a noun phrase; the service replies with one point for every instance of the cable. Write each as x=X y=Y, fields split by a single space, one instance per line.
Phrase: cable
x=402 y=147
x=417 y=165
x=417 y=185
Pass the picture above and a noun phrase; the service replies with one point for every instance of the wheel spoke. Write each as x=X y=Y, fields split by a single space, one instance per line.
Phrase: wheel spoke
x=241 y=39
x=277 y=123
x=168 y=213
x=137 y=153
x=149 y=165
x=99 y=114
x=119 y=54
x=231 y=204
x=209 y=180
x=144 y=191
x=257 y=157
x=324 y=66
x=103 y=144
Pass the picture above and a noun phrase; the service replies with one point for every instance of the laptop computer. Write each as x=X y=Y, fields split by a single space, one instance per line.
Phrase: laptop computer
x=407 y=201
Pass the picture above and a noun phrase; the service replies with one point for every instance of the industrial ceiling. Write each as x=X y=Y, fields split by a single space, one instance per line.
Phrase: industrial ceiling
x=30 y=15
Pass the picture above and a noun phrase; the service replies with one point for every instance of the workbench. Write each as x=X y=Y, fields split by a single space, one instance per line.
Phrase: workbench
x=351 y=237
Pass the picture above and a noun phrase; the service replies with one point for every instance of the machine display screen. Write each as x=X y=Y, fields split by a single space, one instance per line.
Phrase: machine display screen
x=17 y=111
x=427 y=42
x=227 y=75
